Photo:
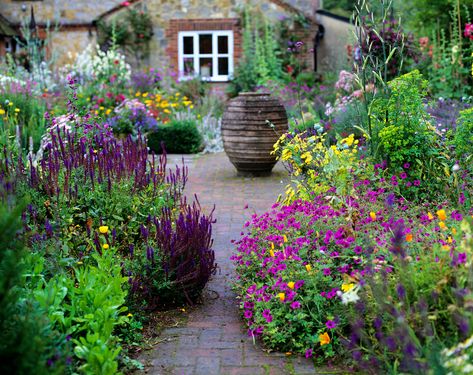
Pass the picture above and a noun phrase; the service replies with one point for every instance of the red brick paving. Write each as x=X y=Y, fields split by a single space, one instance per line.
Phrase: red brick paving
x=214 y=340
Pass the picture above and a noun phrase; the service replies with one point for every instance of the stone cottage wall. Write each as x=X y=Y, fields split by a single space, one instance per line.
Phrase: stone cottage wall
x=171 y=16
x=168 y=17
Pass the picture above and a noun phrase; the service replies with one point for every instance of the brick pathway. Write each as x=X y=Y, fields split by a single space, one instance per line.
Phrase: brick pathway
x=214 y=340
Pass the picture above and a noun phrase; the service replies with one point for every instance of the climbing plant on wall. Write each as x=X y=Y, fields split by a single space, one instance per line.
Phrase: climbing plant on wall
x=131 y=30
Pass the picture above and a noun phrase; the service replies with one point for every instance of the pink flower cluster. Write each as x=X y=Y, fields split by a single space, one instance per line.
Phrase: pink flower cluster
x=468 y=32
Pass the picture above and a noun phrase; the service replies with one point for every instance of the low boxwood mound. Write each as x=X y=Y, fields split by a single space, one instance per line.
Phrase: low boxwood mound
x=178 y=137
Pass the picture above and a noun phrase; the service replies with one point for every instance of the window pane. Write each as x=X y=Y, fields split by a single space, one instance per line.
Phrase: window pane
x=205 y=67
x=205 y=43
x=188 y=66
x=223 y=66
x=188 y=45
x=223 y=44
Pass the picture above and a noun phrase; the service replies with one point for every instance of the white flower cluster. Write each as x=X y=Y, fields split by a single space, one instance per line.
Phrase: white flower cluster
x=81 y=68
x=7 y=81
x=350 y=296
x=111 y=67
x=459 y=359
x=95 y=64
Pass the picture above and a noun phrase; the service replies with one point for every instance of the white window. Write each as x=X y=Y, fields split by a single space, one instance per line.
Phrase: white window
x=208 y=54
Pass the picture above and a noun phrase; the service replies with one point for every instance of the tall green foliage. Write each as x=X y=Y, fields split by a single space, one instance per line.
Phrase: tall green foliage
x=449 y=72
x=260 y=62
x=27 y=341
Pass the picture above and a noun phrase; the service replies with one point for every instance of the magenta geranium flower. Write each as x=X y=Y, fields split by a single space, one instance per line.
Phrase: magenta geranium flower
x=330 y=324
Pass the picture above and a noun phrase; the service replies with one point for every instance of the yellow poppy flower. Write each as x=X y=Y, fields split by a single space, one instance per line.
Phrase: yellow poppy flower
x=103 y=229
x=442 y=215
x=291 y=284
x=308 y=267
x=281 y=296
x=347 y=287
x=105 y=246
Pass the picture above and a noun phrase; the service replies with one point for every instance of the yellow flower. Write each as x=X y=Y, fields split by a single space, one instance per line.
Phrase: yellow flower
x=108 y=111
x=284 y=238
x=445 y=247
x=286 y=154
x=430 y=216
x=17 y=110
x=373 y=215
x=349 y=140
x=2 y=112
x=324 y=339
x=105 y=246
x=449 y=239
x=272 y=245
x=347 y=287
x=442 y=215
x=129 y=315
x=307 y=157
x=10 y=104
x=291 y=284
x=144 y=95
x=454 y=231
x=442 y=225
x=138 y=94
x=308 y=267
x=103 y=229
x=167 y=111
x=281 y=296
x=271 y=252
x=409 y=237
x=178 y=93
x=79 y=262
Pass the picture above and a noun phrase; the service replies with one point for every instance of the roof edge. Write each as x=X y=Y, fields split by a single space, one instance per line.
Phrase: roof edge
x=284 y=4
x=324 y=12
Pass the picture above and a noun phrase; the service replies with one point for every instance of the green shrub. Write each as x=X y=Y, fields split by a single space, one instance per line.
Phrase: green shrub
x=178 y=136
x=195 y=89
x=27 y=342
x=463 y=138
x=404 y=136
x=25 y=111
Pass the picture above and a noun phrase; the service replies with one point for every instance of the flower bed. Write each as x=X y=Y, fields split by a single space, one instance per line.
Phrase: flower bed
x=307 y=268
x=108 y=239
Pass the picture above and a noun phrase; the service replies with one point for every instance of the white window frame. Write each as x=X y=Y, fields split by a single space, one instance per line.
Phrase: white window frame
x=214 y=55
